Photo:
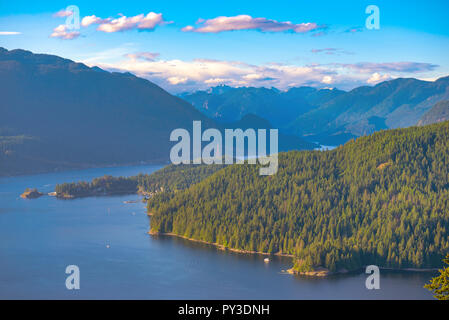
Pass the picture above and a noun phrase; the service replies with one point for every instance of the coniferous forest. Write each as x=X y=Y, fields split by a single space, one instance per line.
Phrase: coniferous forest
x=168 y=179
x=381 y=199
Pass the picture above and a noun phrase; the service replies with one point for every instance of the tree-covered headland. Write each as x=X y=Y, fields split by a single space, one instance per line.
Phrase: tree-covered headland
x=381 y=199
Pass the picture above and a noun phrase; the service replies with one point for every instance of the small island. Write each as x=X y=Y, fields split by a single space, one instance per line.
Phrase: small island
x=31 y=194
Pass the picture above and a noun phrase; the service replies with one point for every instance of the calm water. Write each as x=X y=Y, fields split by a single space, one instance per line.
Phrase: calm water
x=39 y=238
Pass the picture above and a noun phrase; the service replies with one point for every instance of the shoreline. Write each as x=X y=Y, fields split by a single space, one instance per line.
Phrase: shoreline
x=317 y=273
x=219 y=246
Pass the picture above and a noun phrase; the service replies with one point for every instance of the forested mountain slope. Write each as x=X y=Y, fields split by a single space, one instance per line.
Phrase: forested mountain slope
x=382 y=199
x=80 y=116
x=438 y=113
x=397 y=103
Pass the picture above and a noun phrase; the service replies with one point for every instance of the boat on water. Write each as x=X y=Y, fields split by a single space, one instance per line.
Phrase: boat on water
x=130 y=201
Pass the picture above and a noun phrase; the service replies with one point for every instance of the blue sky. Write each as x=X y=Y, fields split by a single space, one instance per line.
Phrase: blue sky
x=257 y=43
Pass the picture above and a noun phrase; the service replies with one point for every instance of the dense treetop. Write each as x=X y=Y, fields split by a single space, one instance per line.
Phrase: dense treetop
x=440 y=284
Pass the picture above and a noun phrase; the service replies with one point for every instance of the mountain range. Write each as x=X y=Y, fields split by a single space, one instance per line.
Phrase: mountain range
x=329 y=116
x=227 y=104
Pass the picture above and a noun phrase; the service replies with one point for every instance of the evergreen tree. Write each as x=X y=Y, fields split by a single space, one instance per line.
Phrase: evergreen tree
x=440 y=285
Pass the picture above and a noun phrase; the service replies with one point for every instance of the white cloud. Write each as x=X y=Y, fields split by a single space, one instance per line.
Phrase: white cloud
x=140 y=22
x=246 y=22
x=180 y=75
x=253 y=76
x=62 y=32
x=327 y=80
x=377 y=77
x=93 y=19
x=9 y=33
x=177 y=80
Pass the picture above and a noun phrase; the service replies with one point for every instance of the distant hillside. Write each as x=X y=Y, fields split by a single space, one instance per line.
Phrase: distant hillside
x=285 y=142
x=439 y=113
x=76 y=116
x=382 y=199
x=330 y=117
x=228 y=104
x=392 y=104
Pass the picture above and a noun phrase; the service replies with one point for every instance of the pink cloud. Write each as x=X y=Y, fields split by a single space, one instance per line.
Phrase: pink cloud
x=62 y=32
x=330 y=51
x=403 y=66
x=109 y=25
x=183 y=75
x=246 y=22
x=139 y=22
x=354 y=30
x=325 y=50
x=377 y=77
x=146 y=56
x=63 y=13
x=88 y=20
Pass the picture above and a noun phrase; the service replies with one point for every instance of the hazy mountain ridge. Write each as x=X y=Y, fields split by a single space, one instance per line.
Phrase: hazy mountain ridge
x=229 y=104
x=81 y=116
x=328 y=116
x=285 y=141
x=398 y=103
x=438 y=113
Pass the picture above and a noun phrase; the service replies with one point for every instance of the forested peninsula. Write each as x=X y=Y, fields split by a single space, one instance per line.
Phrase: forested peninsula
x=169 y=179
x=381 y=199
